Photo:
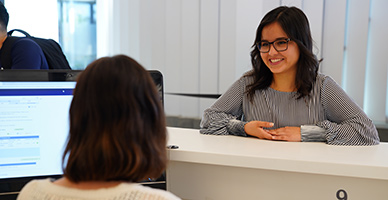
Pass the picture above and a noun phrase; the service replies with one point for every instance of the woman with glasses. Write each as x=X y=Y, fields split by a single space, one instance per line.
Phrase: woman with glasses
x=284 y=97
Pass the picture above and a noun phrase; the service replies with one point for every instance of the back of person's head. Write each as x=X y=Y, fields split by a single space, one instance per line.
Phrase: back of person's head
x=117 y=124
x=4 y=18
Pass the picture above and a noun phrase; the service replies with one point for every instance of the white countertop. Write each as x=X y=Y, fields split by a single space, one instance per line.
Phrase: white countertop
x=317 y=158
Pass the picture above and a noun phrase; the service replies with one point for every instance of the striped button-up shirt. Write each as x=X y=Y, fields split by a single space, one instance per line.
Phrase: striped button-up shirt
x=328 y=115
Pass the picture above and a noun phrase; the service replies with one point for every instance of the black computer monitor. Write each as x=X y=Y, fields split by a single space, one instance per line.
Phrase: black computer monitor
x=34 y=123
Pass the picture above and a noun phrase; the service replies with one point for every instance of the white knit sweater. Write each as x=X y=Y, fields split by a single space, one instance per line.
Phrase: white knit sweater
x=45 y=190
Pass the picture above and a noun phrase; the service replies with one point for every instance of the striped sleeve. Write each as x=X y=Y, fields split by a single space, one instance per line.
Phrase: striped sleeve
x=312 y=133
x=224 y=116
x=346 y=123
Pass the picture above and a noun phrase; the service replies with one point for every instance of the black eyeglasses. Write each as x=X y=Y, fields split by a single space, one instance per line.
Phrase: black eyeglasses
x=279 y=45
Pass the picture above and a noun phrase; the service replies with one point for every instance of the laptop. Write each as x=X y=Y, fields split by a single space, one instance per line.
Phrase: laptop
x=34 y=124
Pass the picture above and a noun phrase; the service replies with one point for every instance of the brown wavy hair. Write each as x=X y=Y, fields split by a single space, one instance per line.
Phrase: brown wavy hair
x=296 y=25
x=117 y=124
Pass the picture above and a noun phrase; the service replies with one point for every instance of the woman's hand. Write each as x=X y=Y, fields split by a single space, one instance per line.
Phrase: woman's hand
x=288 y=133
x=291 y=134
x=255 y=128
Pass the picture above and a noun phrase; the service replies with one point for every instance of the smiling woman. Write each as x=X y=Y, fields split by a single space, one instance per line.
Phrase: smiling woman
x=284 y=97
x=282 y=59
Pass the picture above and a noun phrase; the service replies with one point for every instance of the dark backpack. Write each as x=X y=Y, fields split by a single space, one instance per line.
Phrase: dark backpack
x=51 y=50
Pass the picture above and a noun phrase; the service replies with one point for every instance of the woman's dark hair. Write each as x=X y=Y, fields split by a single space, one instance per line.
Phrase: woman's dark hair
x=4 y=17
x=295 y=24
x=117 y=124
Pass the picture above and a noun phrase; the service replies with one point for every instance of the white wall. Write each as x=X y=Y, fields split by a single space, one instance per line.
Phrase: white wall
x=203 y=46
x=42 y=24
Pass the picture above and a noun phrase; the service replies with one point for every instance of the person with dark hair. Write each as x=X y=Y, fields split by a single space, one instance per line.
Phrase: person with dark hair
x=25 y=53
x=284 y=97
x=117 y=137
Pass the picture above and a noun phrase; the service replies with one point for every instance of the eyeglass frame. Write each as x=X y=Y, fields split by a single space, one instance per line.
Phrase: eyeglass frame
x=269 y=43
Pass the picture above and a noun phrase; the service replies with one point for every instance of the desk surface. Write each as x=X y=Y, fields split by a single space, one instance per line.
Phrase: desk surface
x=316 y=158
